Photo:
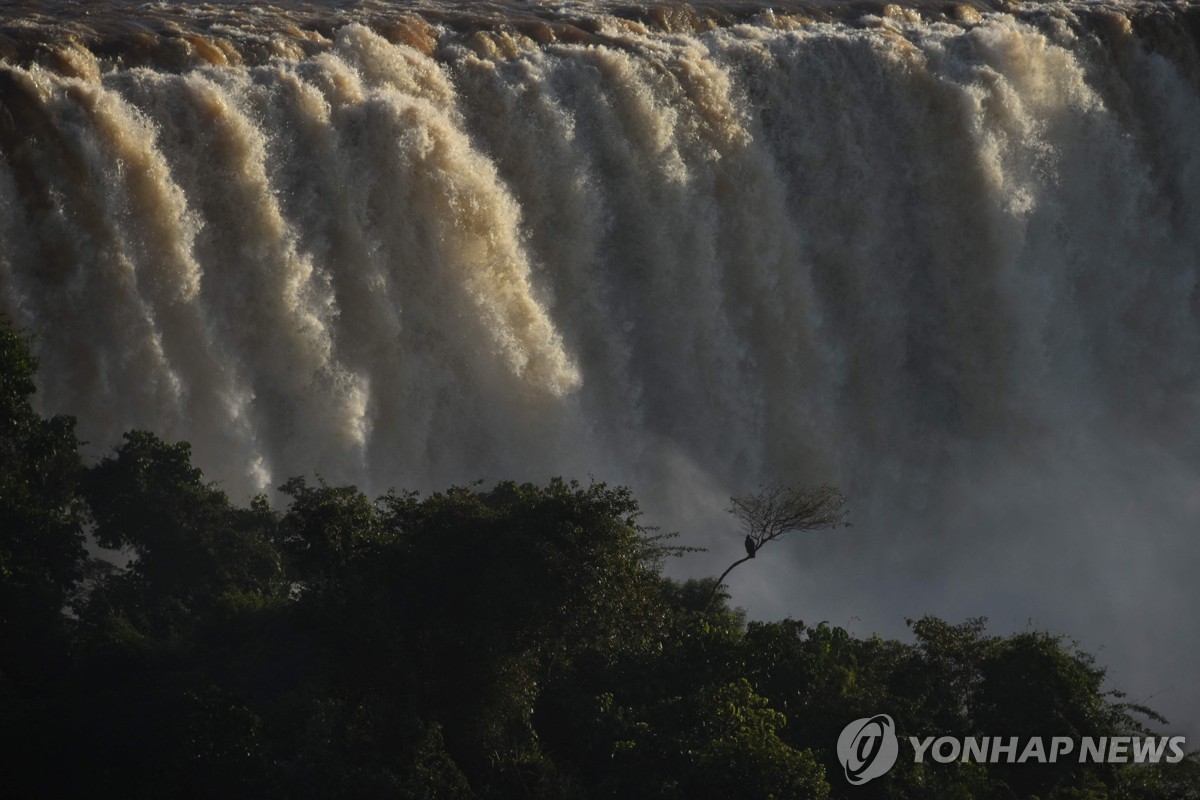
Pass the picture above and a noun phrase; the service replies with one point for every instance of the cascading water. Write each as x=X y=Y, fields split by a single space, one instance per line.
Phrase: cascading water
x=942 y=256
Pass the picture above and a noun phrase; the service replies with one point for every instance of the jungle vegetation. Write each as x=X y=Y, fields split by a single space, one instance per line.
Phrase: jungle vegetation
x=512 y=641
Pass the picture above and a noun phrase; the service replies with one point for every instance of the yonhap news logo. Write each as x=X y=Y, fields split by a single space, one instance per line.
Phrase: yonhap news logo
x=867 y=748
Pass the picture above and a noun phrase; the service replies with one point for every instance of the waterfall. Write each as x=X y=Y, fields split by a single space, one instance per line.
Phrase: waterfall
x=944 y=257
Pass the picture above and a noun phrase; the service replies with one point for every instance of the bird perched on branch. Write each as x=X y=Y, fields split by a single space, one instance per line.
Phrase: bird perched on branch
x=779 y=509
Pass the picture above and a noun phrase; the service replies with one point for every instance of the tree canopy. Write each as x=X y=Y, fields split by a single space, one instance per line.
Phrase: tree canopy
x=518 y=640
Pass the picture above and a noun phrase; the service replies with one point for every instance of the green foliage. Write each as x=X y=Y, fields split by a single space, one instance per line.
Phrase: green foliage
x=741 y=754
x=193 y=551
x=719 y=740
x=1163 y=781
x=41 y=533
x=517 y=641
x=325 y=531
x=42 y=558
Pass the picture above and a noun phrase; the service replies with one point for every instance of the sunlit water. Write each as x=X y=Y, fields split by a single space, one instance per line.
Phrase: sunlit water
x=943 y=256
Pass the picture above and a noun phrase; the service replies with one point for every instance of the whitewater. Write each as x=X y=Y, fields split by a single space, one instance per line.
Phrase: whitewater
x=943 y=256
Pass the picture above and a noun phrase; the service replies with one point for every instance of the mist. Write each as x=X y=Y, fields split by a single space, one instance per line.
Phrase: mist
x=947 y=266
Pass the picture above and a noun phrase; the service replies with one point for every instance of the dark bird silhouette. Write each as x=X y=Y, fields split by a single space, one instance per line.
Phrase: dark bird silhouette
x=750 y=545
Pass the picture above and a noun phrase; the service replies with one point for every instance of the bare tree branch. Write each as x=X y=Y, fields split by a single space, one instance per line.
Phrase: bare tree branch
x=778 y=509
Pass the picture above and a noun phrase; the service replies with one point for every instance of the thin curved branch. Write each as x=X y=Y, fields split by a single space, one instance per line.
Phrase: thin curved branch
x=778 y=509
x=721 y=579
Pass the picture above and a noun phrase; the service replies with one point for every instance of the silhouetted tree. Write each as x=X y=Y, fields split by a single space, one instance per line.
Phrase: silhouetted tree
x=779 y=509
